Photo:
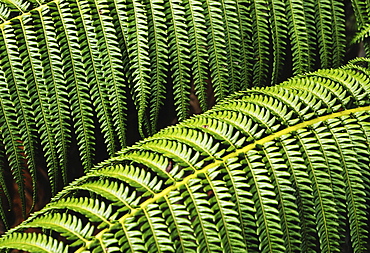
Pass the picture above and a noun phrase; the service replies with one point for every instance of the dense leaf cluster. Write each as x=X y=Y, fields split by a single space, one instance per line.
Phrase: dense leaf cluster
x=74 y=72
x=278 y=169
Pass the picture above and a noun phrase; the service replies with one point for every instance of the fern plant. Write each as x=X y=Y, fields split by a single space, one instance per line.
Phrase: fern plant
x=73 y=72
x=278 y=169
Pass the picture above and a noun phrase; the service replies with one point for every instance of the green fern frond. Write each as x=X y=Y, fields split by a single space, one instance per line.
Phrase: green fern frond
x=178 y=225
x=267 y=220
x=338 y=32
x=198 y=45
x=82 y=72
x=12 y=69
x=138 y=50
x=204 y=228
x=158 y=52
x=312 y=30
x=112 y=68
x=4 y=12
x=96 y=79
x=285 y=193
x=56 y=87
x=279 y=169
x=245 y=30
x=178 y=49
x=94 y=210
x=76 y=77
x=362 y=35
x=67 y=225
x=361 y=11
x=12 y=143
x=35 y=242
x=323 y=19
x=261 y=34
x=115 y=192
x=38 y=93
x=300 y=181
x=299 y=37
x=279 y=35
x=233 y=40
x=354 y=189
x=17 y=5
x=216 y=48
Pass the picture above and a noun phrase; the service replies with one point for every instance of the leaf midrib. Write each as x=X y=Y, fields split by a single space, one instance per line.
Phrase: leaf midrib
x=244 y=150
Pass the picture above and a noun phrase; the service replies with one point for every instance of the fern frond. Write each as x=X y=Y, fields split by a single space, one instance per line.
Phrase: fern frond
x=68 y=66
x=158 y=52
x=216 y=48
x=19 y=6
x=174 y=211
x=301 y=183
x=260 y=37
x=354 y=189
x=115 y=192
x=181 y=153
x=159 y=164
x=4 y=12
x=226 y=218
x=201 y=142
x=70 y=227
x=325 y=207
x=267 y=214
x=204 y=228
x=94 y=210
x=273 y=170
x=12 y=69
x=362 y=35
x=94 y=62
x=232 y=39
x=143 y=181
x=234 y=176
x=76 y=78
x=198 y=47
x=117 y=79
x=323 y=19
x=138 y=50
x=338 y=32
x=155 y=231
x=178 y=54
x=56 y=87
x=362 y=161
x=361 y=11
x=279 y=36
x=38 y=91
x=34 y=242
x=297 y=29
x=12 y=143
x=309 y=16
x=246 y=53
x=285 y=194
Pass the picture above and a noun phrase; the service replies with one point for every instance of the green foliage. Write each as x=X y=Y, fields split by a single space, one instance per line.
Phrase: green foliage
x=277 y=169
x=75 y=74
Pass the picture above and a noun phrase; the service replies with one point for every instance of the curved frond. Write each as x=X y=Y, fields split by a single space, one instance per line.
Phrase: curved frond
x=86 y=77
x=35 y=242
x=278 y=169
x=12 y=68
x=178 y=54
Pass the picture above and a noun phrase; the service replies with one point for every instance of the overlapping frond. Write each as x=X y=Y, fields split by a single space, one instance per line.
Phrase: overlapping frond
x=82 y=72
x=278 y=169
x=361 y=10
